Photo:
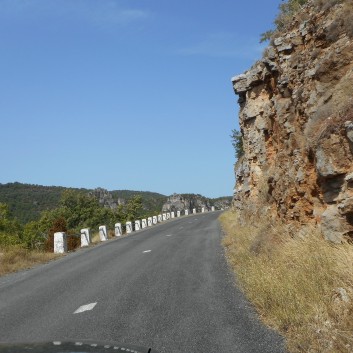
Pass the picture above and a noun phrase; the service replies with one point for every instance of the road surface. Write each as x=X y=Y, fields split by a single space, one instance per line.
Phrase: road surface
x=166 y=287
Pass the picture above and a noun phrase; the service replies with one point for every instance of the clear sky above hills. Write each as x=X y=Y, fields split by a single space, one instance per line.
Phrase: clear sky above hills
x=124 y=94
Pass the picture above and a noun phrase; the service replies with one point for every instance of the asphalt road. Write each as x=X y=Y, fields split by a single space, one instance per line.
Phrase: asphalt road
x=167 y=287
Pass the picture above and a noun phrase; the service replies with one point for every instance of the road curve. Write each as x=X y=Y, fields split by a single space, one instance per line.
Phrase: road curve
x=166 y=287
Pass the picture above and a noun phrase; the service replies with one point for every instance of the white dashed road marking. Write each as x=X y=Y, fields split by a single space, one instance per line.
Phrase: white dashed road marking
x=168 y=235
x=147 y=251
x=86 y=307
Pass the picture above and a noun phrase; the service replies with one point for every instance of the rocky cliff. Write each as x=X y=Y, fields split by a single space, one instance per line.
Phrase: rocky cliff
x=105 y=198
x=296 y=120
x=180 y=202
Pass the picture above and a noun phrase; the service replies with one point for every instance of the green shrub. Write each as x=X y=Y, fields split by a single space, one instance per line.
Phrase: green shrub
x=237 y=143
x=285 y=16
x=33 y=236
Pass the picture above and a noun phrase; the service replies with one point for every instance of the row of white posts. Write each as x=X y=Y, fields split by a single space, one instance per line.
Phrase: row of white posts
x=60 y=238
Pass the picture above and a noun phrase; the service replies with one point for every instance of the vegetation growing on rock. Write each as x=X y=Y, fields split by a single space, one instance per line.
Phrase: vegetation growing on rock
x=296 y=113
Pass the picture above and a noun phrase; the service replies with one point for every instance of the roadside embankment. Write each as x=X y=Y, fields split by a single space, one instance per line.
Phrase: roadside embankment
x=14 y=259
x=301 y=286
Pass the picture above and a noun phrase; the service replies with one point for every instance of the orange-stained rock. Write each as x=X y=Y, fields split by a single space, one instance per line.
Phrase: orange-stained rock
x=296 y=119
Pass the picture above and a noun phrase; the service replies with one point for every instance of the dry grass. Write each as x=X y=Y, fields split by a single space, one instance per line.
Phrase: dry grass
x=16 y=259
x=325 y=123
x=95 y=238
x=298 y=285
x=324 y=5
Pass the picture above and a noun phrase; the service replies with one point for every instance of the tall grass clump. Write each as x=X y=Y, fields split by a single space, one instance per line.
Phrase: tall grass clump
x=302 y=286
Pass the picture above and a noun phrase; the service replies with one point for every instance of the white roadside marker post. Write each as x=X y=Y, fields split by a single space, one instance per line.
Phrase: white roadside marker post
x=103 y=233
x=160 y=218
x=128 y=227
x=154 y=220
x=172 y=214
x=144 y=223
x=186 y=212
x=149 y=221
x=118 y=230
x=137 y=225
x=60 y=242
x=178 y=213
x=85 y=237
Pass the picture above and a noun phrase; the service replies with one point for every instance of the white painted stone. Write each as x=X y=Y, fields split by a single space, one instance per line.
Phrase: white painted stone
x=212 y=208
x=103 y=233
x=164 y=216
x=137 y=225
x=172 y=214
x=128 y=227
x=203 y=209
x=194 y=210
x=186 y=212
x=118 y=230
x=85 y=237
x=168 y=215
x=149 y=221
x=144 y=223
x=154 y=220
x=86 y=307
x=60 y=243
x=160 y=218
x=178 y=213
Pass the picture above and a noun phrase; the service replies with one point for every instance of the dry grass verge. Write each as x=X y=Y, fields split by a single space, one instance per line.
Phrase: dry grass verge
x=16 y=259
x=303 y=286
x=95 y=238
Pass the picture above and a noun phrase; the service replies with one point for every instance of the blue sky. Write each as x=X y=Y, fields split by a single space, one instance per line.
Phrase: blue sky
x=124 y=94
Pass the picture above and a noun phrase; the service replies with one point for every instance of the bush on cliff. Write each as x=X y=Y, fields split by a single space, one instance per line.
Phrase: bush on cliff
x=287 y=9
x=237 y=143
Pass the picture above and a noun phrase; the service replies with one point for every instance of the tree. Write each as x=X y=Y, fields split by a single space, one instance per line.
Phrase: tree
x=33 y=236
x=287 y=10
x=237 y=143
x=10 y=229
x=79 y=210
x=133 y=208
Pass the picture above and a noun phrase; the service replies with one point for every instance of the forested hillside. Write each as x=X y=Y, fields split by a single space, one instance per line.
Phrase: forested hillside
x=26 y=201
x=151 y=201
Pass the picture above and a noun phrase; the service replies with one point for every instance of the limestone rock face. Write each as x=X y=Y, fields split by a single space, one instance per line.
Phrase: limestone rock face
x=177 y=202
x=181 y=202
x=104 y=197
x=296 y=119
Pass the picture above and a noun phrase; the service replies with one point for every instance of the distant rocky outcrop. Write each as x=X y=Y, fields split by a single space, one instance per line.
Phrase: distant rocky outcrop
x=296 y=119
x=222 y=203
x=105 y=198
x=181 y=202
